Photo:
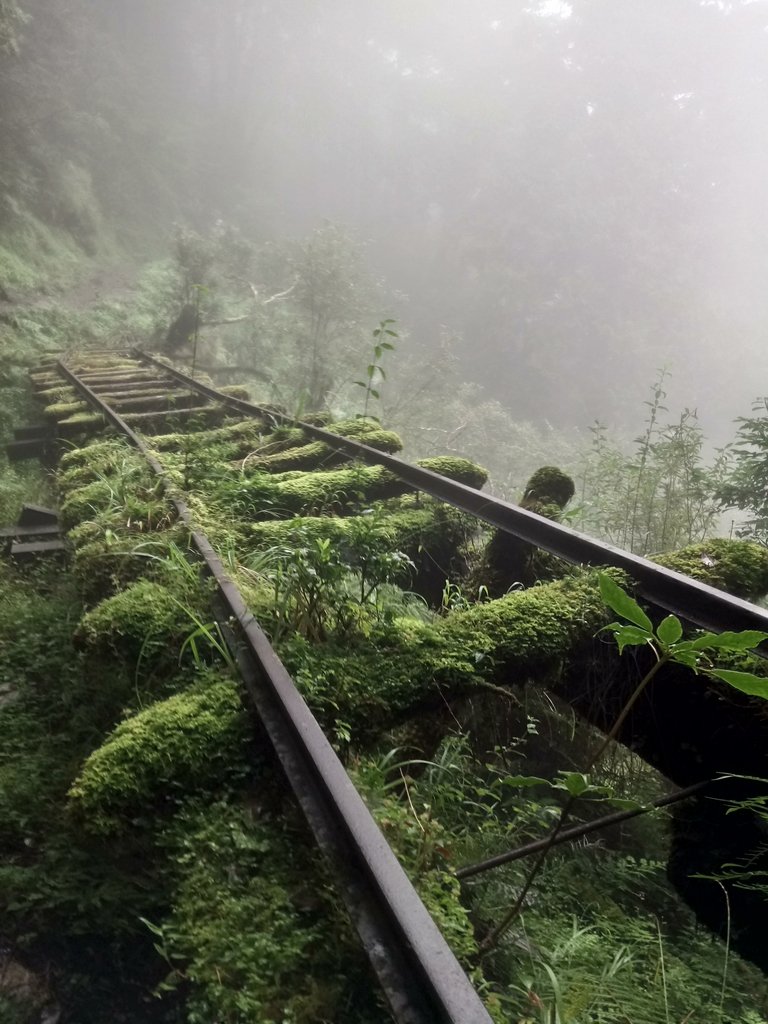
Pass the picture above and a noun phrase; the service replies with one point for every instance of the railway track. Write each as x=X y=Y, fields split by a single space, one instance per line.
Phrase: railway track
x=417 y=970
x=420 y=976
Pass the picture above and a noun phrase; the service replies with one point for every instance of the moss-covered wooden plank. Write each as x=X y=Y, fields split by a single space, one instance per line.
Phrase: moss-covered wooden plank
x=338 y=491
x=157 y=401
x=317 y=454
x=203 y=415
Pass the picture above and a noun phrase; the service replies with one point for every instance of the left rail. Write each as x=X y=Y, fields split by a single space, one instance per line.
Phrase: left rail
x=419 y=974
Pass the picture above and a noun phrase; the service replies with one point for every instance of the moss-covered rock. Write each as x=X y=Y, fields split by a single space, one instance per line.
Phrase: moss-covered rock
x=193 y=741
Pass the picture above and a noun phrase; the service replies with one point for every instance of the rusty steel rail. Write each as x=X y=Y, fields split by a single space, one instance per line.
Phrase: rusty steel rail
x=693 y=601
x=420 y=976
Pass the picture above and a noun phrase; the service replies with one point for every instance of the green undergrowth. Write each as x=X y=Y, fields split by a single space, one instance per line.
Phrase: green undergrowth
x=36 y=256
x=256 y=931
x=602 y=936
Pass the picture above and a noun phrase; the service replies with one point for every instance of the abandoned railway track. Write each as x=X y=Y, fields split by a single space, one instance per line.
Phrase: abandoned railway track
x=419 y=974
x=138 y=395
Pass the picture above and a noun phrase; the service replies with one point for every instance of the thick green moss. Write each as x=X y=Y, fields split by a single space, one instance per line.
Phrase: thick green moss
x=236 y=391
x=430 y=534
x=266 y=496
x=740 y=567
x=508 y=561
x=144 y=618
x=132 y=504
x=318 y=454
x=105 y=458
x=104 y=565
x=154 y=401
x=62 y=410
x=62 y=393
x=462 y=470
x=191 y=418
x=548 y=486
x=403 y=528
x=411 y=664
x=256 y=928
x=94 y=452
x=80 y=422
x=112 y=483
x=190 y=742
x=294 y=493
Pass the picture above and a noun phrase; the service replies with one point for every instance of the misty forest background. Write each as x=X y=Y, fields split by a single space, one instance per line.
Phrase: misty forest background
x=555 y=201
x=557 y=211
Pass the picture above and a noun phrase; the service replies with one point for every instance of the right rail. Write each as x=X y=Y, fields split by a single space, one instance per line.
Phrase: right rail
x=696 y=602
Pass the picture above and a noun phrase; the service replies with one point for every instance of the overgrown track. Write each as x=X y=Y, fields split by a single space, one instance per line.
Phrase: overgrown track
x=419 y=974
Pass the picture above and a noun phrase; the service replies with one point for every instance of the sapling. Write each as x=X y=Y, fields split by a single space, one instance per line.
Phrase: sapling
x=374 y=370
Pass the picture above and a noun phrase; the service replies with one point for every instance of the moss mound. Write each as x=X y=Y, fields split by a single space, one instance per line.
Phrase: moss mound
x=190 y=742
x=740 y=567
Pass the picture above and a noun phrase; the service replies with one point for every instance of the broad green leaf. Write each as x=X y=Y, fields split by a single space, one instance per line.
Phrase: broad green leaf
x=744 y=681
x=377 y=349
x=625 y=804
x=621 y=603
x=629 y=636
x=375 y=393
x=574 y=782
x=387 y=345
x=669 y=630
x=729 y=641
x=686 y=657
x=525 y=780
